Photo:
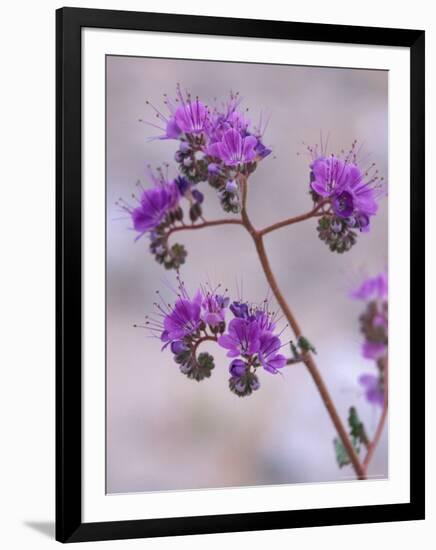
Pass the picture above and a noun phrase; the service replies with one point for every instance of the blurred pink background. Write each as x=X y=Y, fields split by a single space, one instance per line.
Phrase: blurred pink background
x=164 y=431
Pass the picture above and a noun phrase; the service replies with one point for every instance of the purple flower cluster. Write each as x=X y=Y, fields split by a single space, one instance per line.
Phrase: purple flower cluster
x=251 y=342
x=157 y=210
x=215 y=144
x=189 y=318
x=184 y=325
x=374 y=326
x=249 y=338
x=182 y=320
x=351 y=190
x=347 y=195
x=220 y=133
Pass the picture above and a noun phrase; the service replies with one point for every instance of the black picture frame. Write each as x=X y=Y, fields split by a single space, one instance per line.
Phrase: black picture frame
x=69 y=525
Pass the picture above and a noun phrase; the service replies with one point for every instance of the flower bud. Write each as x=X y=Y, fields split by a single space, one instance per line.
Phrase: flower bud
x=199 y=155
x=231 y=186
x=239 y=309
x=178 y=346
x=198 y=196
x=362 y=221
x=195 y=212
x=336 y=226
x=184 y=147
x=213 y=168
x=244 y=385
x=237 y=367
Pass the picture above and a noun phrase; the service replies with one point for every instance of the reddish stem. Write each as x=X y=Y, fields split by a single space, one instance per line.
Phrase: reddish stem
x=383 y=364
x=234 y=221
x=295 y=219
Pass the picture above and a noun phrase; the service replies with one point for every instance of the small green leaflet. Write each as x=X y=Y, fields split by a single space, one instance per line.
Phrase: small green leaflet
x=342 y=457
x=305 y=345
x=358 y=438
x=357 y=429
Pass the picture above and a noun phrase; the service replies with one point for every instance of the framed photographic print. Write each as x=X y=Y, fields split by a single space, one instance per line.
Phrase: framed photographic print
x=240 y=274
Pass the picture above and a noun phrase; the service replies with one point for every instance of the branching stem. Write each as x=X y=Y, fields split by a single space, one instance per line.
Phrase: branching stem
x=289 y=221
x=308 y=360
x=206 y=338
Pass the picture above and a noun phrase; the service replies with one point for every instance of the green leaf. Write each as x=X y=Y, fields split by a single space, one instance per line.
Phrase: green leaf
x=358 y=438
x=357 y=429
x=342 y=457
x=305 y=345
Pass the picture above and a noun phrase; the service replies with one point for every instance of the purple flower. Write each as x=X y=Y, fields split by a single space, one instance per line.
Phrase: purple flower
x=262 y=151
x=213 y=309
x=192 y=117
x=183 y=319
x=172 y=129
x=243 y=145
x=374 y=350
x=229 y=117
x=373 y=288
x=264 y=320
x=268 y=354
x=242 y=338
x=373 y=390
x=343 y=204
x=224 y=131
x=185 y=116
x=154 y=205
x=234 y=149
x=353 y=193
x=251 y=335
x=329 y=176
x=364 y=193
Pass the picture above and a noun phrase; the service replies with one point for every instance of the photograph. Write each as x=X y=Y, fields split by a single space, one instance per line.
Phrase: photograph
x=224 y=265
x=246 y=274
